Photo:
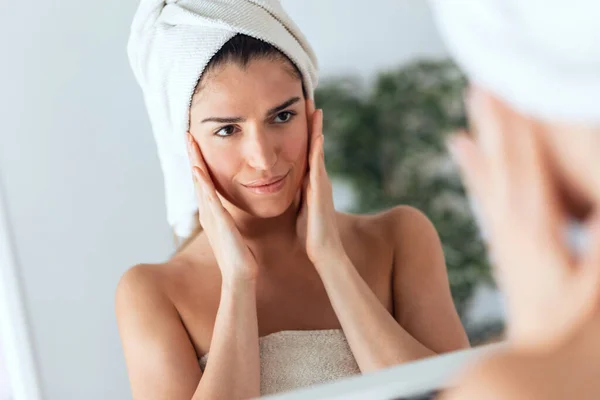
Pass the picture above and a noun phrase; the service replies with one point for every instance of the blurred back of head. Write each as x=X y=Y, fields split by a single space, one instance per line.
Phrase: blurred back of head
x=542 y=59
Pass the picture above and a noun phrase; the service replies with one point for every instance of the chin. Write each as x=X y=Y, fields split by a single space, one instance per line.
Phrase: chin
x=272 y=207
x=271 y=202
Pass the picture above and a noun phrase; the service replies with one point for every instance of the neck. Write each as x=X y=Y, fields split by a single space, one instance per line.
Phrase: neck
x=260 y=229
x=269 y=238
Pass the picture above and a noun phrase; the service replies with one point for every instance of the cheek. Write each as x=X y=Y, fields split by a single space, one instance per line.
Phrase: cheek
x=294 y=149
x=221 y=162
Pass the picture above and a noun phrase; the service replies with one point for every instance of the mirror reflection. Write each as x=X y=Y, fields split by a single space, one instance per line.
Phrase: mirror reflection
x=244 y=204
x=272 y=288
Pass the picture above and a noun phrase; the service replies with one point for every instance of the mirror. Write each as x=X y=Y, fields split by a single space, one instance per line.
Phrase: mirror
x=84 y=194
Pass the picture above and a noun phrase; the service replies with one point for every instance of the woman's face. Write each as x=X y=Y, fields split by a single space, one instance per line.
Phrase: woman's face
x=251 y=125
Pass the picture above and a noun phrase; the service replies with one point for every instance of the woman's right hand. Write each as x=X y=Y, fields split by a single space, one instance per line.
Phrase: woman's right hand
x=234 y=258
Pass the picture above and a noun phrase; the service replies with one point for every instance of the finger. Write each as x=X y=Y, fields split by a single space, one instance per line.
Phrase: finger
x=316 y=133
x=531 y=196
x=525 y=221
x=310 y=107
x=201 y=193
x=206 y=185
x=482 y=119
x=523 y=194
x=583 y=289
x=196 y=158
x=316 y=126
x=310 y=111
x=205 y=191
x=516 y=164
x=317 y=162
x=540 y=191
x=322 y=167
x=322 y=150
x=301 y=213
x=574 y=150
x=321 y=188
x=474 y=171
x=490 y=125
x=590 y=260
x=472 y=165
x=305 y=185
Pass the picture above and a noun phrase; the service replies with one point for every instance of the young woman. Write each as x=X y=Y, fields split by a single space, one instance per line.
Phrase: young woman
x=276 y=290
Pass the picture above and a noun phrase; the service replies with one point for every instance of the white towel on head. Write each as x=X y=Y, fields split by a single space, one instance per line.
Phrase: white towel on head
x=171 y=43
x=541 y=56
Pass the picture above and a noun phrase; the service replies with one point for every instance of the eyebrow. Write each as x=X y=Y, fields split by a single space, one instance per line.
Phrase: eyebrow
x=235 y=120
x=283 y=106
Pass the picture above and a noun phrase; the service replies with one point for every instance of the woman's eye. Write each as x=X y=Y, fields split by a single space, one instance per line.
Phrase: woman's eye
x=226 y=131
x=284 y=116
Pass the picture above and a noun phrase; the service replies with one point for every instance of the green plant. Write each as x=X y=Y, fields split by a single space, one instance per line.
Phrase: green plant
x=387 y=141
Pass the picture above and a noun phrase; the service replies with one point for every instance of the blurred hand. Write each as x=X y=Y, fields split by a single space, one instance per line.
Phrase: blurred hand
x=235 y=259
x=511 y=173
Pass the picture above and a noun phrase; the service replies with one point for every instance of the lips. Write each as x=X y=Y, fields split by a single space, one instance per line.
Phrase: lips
x=265 y=182
x=268 y=186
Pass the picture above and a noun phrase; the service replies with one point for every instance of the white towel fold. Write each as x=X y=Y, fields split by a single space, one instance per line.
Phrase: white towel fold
x=171 y=43
x=541 y=56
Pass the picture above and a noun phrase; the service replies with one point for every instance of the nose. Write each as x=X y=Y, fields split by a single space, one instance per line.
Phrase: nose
x=261 y=150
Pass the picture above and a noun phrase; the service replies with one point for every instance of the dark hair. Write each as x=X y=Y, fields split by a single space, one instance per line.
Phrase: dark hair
x=241 y=49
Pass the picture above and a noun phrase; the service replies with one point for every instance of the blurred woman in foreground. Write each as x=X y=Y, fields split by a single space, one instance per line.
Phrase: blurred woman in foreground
x=532 y=164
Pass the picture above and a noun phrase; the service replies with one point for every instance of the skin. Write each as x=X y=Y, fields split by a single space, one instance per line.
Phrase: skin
x=276 y=262
x=567 y=371
x=531 y=177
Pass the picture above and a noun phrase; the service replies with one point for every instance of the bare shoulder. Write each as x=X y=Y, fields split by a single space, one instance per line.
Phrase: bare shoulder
x=400 y=234
x=365 y=234
x=404 y=223
x=160 y=356
x=141 y=285
x=409 y=221
x=137 y=274
x=154 y=282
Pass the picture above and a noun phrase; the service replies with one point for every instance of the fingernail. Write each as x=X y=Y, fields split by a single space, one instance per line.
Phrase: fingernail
x=196 y=173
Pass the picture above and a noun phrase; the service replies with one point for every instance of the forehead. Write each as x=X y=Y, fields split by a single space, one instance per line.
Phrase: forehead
x=262 y=83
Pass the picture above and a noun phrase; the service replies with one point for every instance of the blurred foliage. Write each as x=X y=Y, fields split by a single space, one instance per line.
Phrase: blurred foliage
x=387 y=140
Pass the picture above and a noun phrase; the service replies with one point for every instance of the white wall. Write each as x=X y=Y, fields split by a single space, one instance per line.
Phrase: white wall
x=82 y=184
x=79 y=169
x=364 y=37
x=5 y=389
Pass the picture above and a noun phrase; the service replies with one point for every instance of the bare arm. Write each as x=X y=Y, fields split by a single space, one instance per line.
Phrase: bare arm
x=377 y=338
x=428 y=326
x=160 y=357
x=423 y=303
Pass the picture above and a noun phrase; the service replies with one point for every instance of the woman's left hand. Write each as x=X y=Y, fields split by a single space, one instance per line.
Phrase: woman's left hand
x=316 y=223
x=509 y=169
